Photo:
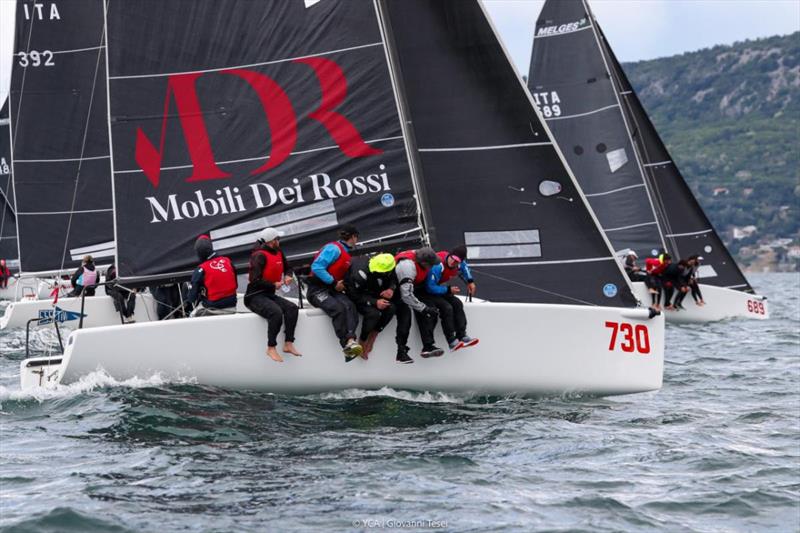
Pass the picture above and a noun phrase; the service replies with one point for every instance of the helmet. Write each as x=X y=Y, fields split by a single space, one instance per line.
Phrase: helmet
x=269 y=234
x=427 y=256
x=382 y=263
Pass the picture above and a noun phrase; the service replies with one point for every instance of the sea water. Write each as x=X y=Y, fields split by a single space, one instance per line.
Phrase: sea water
x=717 y=449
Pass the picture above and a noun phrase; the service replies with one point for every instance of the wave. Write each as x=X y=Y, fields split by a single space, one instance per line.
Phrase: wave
x=92 y=381
x=405 y=395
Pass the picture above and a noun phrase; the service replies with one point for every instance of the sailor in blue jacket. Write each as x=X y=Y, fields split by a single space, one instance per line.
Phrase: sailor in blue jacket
x=439 y=294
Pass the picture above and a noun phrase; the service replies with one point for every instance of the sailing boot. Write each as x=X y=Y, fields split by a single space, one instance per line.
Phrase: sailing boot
x=431 y=351
x=402 y=356
x=468 y=341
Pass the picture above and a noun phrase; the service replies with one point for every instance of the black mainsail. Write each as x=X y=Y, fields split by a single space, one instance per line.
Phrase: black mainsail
x=229 y=117
x=59 y=135
x=8 y=217
x=492 y=175
x=631 y=181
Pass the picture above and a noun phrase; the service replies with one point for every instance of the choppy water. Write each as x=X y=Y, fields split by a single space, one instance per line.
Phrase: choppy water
x=717 y=449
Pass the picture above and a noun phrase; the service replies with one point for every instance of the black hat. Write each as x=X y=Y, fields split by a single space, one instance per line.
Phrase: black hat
x=203 y=247
x=459 y=251
x=347 y=231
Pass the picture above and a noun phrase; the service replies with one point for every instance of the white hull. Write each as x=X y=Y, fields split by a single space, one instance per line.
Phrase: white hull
x=721 y=304
x=32 y=288
x=98 y=310
x=524 y=348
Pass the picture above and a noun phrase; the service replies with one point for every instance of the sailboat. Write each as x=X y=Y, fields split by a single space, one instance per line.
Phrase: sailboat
x=632 y=183
x=60 y=161
x=405 y=118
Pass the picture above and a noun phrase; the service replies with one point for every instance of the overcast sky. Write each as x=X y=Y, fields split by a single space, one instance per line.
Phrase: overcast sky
x=636 y=29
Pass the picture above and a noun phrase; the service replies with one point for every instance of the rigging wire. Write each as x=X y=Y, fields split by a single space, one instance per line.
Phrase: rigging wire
x=528 y=286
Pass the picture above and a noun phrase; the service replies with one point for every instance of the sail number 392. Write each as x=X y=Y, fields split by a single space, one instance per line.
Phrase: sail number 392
x=631 y=338
x=35 y=58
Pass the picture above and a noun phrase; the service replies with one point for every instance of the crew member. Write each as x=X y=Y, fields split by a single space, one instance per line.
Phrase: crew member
x=632 y=269
x=654 y=267
x=326 y=289
x=85 y=278
x=443 y=296
x=694 y=281
x=671 y=280
x=269 y=270
x=5 y=274
x=124 y=299
x=411 y=271
x=213 y=282
x=371 y=283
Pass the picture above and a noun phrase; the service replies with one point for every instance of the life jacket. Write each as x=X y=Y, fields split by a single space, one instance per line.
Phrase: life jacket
x=219 y=278
x=422 y=272
x=447 y=272
x=338 y=268
x=87 y=278
x=273 y=266
x=654 y=266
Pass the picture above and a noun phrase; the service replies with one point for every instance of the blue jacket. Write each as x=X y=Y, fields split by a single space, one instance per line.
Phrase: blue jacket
x=327 y=256
x=434 y=279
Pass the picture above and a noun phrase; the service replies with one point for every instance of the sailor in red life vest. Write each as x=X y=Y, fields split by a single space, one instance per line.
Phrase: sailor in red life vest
x=411 y=270
x=654 y=267
x=326 y=289
x=442 y=296
x=5 y=274
x=213 y=285
x=269 y=270
x=85 y=278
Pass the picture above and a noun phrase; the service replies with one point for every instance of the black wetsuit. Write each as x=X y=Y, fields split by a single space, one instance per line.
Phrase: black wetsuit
x=364 y=288
x=124 y=300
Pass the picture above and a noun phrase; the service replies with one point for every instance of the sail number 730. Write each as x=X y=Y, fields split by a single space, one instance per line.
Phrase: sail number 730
x=632 y=338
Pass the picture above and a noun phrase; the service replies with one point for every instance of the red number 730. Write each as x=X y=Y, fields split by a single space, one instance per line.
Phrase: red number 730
x=633 y=338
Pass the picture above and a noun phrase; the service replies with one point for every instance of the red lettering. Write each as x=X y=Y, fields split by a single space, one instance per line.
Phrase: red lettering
x=194 y=132
x=334 y=91
x=280 y=116
x=634 y=338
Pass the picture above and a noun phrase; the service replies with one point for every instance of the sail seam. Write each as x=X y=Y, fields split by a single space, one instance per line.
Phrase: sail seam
x=470 y=148
x=612 y=106
x=132 y=171
x=688 y=234
x=67 y=160
x=614 y=190
x=629 y=227
x=560 y=262
x=250 y=65
x=79 y=50
x=77 y=211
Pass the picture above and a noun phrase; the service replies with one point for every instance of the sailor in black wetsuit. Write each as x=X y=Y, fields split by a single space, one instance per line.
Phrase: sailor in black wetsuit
x=370 y=283
x=124 y=299
x=694 y=282
x=269 y=271
x=673 y=279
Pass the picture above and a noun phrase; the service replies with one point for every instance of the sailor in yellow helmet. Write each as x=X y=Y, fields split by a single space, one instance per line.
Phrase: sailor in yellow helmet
x=370 y=283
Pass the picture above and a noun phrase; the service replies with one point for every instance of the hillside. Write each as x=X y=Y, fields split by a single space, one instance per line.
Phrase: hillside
x=730 y=116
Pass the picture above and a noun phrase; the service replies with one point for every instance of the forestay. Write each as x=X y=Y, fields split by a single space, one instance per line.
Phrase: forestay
x=8 y=219
x=226 y=118
x=642 y=201
x=59 y=135
x=492 y=176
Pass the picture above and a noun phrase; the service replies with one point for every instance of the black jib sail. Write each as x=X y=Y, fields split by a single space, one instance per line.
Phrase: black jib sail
x=632 y=183
x=8 y=218
x=492 y=176
x=227 y=117
x=59 y=135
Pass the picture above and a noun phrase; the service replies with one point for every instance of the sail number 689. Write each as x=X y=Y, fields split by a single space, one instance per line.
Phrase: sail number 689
x=633 y=338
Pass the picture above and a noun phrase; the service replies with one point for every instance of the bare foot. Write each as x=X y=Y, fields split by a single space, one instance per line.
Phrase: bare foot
x=369 y=343
x=273 y=354
x=288 y=347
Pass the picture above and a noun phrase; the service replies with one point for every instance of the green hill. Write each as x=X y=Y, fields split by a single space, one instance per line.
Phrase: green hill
x=730 y=116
